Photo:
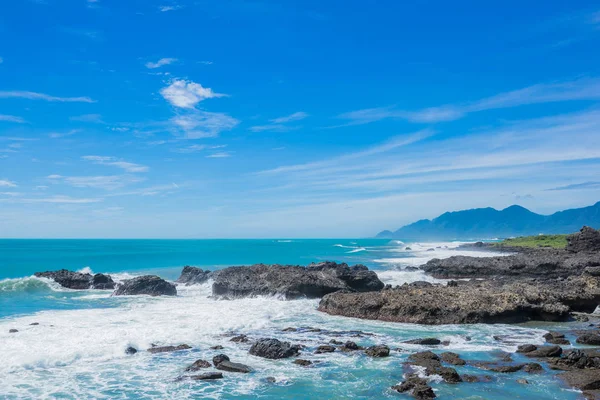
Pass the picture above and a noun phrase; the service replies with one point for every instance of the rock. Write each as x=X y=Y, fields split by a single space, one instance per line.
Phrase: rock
x=471 y=302
x=271 y=379
x=556 y=338
x=239 y=339
x=532 y=368
x=304 y=363
x=505 y=369
x=167 y=349
x=433 y=366
x=452 y=358
x=130 y=350
x=198 y=364
x=101 y=281
x=34 y=323
x=545 y=351
x=217 y=347
x=274 y=349
x=523 y=381
x=420 y=284
x=233 y=367
x=378 y=351
x=526 y=348
x=293 y=282
x=350 y=346
x=207 y=376
x=13 y=330
x=289 y=330
x=417 y=387
x=592 y=339
x=325 y=349
x=426 y=341
x=470 y=378
x=336 y=342
x=193 y=276
x=150 y=285
x=582 y=379
x=78 y=280
x=586 y=240
x=577 y=359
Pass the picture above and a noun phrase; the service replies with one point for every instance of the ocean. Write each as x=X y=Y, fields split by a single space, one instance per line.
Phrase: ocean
x=77 y=348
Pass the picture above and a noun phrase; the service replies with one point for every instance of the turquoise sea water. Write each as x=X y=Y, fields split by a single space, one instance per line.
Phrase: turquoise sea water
x=77 y=350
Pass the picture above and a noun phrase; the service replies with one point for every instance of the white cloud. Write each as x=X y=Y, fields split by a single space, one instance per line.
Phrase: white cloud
x=61 y=200
x=56 y=135
x=184 y=94
x=297 y=116
x=7 y=183
x=203 y=124
x=91 y=118
x=580 y=89
x=42 y=96
x=110 y=182
x=169 y=8
x=160 y=63
x=114 y=162
x=196 y=148
x=11 y=118
x=221 y=154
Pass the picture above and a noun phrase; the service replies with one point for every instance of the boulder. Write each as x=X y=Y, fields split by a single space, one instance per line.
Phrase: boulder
x=198 y=364
x=325 y=349
x=350 y=346
x=556 y=338
x=582 y=379
x=223 y=363
x=151 y=285
x=417 y=387
x=452 y=358
x=433 y=366
x=240 y=339
x=168 y=349
x=193 y=276
x=592 y=339
x=273 y=349
x=78 y=280
x=293 y=282
x=532 y=368
x=378 y=351
x=526 y=348
x=301 y=362
x=545 y=351
x=130 y=350
x=586 y=240
x=13 y=330
x=426 y=341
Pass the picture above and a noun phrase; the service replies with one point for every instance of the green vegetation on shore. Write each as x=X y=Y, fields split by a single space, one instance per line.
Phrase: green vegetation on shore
x=553 y=241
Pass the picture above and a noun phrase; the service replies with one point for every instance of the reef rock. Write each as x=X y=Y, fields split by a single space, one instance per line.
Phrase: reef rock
x=78 y=280
x=193 y=276
x=151 y=285
x=273 y=349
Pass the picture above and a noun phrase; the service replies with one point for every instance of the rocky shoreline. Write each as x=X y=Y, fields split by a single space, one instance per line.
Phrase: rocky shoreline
x=529 y=285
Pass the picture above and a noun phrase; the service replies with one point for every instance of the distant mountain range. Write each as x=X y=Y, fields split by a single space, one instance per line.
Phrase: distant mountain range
x=488 y=222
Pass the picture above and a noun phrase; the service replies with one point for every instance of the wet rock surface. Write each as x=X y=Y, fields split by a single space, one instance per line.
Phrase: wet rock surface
x=78 y=280
x=198 y=365
x=378 y=351
x=223 y=363
x=274 y=349
x=294 y=282
x=150 y=285
x=168 y=349
x=193 y=276
x=417 y=387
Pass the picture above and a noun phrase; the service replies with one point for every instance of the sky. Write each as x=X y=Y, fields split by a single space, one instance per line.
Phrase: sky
x=285 y=119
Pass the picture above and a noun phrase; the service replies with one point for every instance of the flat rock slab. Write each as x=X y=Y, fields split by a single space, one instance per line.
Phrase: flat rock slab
x=168 y=349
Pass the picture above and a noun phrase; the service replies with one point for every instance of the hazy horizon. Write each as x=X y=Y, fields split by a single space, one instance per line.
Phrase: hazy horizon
x=259 y=119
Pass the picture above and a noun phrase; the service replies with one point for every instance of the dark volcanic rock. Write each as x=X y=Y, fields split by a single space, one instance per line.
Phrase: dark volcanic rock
x=193 y=275
x=167 y=349
x=426 y=341
x=470 y=302
x=526 y=348
x=78 y=280
x=273 y=349
x=217 y=347
x=304 y=363
x=197 y=365
x=452 y=358
x=130 y=350
x=533 y=368
x=417 y=387
x=582 y=379
x=545 y=351
x=325 y=349
x=293 y=282
x=239 y=339
x=577 y=359
x=350 y=346
x=207 y=376
x=13 y=330
x=586 y=240
x=433 y=366
x=229 y=366
x=592 y=339
x=148 y=284
x=556 y=338
x=378 y=351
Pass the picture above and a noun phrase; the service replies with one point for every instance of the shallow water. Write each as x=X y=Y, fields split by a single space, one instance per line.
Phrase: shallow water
x=78 y=349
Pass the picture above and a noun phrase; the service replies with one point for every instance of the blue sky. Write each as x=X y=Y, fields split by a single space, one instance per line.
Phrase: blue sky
x=234 y=118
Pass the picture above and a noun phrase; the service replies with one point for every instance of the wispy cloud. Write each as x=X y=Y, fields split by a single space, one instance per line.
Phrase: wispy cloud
x=278 y=124
x=89 y=118
x=93 y=3
x=61 y=200
x=187 y=94
x=203 y=124
x=114 y=162
x=150 y=190
x=7 y=183
x=196 y=148
x=221 y=154
x=56 y=135
x=42 y=96
x=160 y=63
x=578 y=186
x=581 y=89
x=11 y=118
x=109 y=182
x=169 y=8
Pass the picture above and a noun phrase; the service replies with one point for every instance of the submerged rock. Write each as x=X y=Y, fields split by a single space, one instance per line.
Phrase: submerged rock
x=273 y=349
x=240 y=339
x=325 y=349
x=78 y=280
x=193 y=276
x=151 y=285
x=293 y=282
x=426 y=341
x=452 y=358
x=168 y=349
x=433 y=366
x=304 y=363
x=350 y=346
x=207 y=376
x=470 y=302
